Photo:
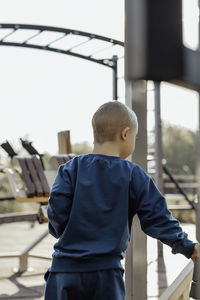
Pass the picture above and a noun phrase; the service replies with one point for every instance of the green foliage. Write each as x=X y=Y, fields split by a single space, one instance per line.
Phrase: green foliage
x=179 y=148
x=46 y=161
x=81 y=148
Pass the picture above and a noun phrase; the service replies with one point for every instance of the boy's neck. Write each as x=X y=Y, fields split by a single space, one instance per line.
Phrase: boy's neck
x=106 y=149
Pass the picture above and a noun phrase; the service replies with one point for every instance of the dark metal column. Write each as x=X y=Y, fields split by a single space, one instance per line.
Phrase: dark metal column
x=115 y=77
x=136 y=254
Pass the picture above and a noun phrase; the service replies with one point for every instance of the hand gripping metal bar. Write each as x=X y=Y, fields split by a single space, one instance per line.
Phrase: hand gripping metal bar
x=195 y=288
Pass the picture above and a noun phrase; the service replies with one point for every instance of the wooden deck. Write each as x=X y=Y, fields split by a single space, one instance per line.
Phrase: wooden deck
x=30 y=285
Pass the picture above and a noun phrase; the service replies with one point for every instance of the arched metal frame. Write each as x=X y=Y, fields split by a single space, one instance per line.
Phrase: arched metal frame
x=107 y=62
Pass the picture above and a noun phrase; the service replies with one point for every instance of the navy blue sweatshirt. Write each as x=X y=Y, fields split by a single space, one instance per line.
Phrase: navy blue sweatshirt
x=91 y=207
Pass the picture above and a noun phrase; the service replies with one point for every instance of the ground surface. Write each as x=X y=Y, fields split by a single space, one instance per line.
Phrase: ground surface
x=30 y=285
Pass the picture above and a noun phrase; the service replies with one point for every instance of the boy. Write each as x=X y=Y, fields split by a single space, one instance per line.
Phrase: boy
x=91 y=207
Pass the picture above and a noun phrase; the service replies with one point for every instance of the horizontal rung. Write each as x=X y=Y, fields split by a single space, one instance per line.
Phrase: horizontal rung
x=179 y=207
x=9 y=254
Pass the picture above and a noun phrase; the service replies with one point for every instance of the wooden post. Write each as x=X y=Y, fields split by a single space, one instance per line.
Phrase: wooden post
x=64 y=144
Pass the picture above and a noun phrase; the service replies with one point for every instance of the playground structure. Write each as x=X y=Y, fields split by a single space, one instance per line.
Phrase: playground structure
x=30 y=182
x=88 y=46
x=136 y=91
x=154 y=51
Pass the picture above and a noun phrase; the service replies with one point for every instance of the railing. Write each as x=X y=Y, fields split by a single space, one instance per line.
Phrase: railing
x=24 y=254
x=180 y=288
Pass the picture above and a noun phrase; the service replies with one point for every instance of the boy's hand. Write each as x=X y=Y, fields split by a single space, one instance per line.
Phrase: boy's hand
x=195 y=252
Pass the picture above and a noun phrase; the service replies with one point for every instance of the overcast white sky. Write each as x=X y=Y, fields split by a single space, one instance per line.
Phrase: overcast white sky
x=43 y=93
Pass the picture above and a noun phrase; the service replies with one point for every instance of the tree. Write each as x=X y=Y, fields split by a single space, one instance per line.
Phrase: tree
x=81 y=148
x=179 y=148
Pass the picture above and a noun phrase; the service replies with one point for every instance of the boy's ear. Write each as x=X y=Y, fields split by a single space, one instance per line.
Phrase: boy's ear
x=124 y=133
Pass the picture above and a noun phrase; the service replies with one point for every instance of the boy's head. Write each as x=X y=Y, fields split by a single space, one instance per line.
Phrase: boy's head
x=116 y=123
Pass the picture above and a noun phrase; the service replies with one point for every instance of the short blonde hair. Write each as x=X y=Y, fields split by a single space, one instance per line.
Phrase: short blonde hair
x=110 y=118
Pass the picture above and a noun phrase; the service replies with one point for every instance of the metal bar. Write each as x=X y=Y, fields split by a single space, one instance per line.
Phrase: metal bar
x=40 y=257
x=197 y=211
x=23 y=263
x=35 y=242
x=181 y=191
x=31 y=37
x=105 y=62
x=94 y=53
x=8 y=34
x=115 y=79
x=23 y=255
x=158 y=139
x=176 y=289
x=60 y=29
x=9 y=254
x=79 y=44
x=195 y=288
x=159 y=179
x=58 y=39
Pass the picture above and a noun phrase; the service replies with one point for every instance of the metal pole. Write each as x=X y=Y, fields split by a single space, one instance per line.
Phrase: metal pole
x=162 y=279
x=158 y=149
x=197 y=210
x=158 y=139
x=115 y=79
x=136 y=254
x=195 y=288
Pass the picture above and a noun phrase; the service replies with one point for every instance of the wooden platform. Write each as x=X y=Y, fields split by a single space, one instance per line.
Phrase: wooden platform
x=30 y=285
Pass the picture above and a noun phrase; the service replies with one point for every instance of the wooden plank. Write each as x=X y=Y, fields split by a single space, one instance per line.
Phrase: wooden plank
x=33 y=199
x=40 y=172
x=18 y=217
x=26 y=177
x=182 y=184
x=179 y=207
x=34 y=176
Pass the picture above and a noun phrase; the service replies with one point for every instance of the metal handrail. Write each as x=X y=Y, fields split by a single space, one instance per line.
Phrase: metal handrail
x=195 y=288
x=180 y=286
x=24 y=254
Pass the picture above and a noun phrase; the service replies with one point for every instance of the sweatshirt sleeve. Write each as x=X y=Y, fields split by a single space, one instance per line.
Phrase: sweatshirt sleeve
x=60 y=201
x=155 y=218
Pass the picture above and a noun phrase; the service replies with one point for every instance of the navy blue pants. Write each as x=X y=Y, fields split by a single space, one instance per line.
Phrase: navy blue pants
x=98 y=285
